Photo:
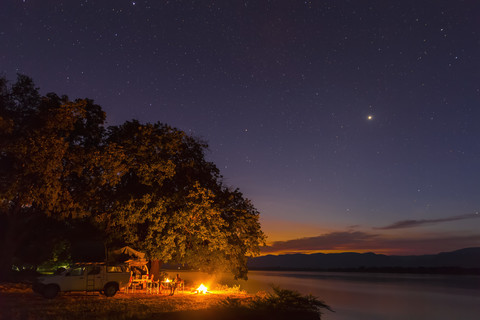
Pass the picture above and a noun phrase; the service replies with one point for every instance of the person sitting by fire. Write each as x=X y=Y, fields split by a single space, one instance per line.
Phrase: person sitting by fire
x=176 y=283
x=137 y=273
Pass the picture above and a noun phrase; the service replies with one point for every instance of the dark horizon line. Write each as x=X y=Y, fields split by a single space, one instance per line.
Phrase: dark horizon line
x=368 y=252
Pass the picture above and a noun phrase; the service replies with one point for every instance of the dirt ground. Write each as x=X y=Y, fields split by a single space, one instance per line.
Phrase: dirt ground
x=18 y=301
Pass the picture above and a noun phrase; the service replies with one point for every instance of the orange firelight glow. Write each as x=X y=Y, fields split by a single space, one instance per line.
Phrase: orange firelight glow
x=202 y=289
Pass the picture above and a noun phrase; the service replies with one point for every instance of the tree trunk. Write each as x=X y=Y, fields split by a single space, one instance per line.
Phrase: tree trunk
x=155 y=265
x=10 y=241
x=6 y=260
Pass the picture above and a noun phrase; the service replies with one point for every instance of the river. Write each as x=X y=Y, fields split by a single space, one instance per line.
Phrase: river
x=365 y=296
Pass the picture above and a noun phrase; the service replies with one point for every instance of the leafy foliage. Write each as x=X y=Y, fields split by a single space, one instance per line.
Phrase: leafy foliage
x=284 y=299
x=144 y=185
x=171 y=202
x=40 y=161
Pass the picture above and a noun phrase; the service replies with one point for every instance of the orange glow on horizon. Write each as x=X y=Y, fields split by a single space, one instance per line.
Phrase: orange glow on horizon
x=356 y=239
x=345 y=250
x=284 y=230
x=276 y=253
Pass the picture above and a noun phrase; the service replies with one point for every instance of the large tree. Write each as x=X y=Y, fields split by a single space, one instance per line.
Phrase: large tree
x=51 y=161
x=172 y=204
x=144 y=185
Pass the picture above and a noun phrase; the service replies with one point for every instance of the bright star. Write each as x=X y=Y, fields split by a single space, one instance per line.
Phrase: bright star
x=370 y=117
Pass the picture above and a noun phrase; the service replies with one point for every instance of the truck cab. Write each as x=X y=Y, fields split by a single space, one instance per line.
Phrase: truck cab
x=101 y=277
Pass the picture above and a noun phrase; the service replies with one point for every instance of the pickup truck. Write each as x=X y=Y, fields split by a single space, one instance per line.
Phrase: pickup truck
x=100 y=277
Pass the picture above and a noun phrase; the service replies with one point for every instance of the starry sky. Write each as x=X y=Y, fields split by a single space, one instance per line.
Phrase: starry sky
x=351 y=125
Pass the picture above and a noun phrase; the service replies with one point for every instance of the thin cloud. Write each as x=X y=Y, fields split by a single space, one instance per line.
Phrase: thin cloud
x=363 y=242
x=328 y=241
x=415 y=223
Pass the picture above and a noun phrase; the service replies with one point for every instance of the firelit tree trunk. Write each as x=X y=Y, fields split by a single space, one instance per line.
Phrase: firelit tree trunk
x=155 y=269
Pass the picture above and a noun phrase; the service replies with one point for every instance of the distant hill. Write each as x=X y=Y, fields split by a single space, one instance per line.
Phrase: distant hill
x=464 y=258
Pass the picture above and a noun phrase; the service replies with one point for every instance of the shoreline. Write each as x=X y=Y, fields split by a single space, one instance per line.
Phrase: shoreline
x=18 y=301
x=392 y=270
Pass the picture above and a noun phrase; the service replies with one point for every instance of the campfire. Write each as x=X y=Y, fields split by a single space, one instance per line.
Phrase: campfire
x=201 y=289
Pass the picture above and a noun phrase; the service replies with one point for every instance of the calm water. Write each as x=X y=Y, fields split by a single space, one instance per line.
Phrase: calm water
x=356 y=296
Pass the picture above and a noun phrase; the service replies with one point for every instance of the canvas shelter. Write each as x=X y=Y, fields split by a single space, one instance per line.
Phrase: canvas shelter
x=129 y=256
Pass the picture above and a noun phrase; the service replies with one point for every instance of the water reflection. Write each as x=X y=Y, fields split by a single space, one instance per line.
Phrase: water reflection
x=357 y=296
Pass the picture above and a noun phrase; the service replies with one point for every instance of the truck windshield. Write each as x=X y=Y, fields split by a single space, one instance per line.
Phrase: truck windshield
x=76 y=271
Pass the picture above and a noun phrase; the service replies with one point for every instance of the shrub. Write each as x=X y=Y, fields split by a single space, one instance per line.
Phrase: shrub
x=280 y=301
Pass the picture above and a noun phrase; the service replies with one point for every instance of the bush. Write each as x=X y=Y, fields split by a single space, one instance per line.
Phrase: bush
x=280 y=302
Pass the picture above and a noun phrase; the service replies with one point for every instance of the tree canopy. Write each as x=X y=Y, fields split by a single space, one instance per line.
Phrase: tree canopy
x=144 y=185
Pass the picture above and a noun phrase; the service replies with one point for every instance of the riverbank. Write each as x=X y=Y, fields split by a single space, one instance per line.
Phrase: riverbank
x=17 y=301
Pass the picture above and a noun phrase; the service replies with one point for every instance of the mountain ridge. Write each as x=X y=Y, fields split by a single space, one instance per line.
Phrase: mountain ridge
x=462 y=258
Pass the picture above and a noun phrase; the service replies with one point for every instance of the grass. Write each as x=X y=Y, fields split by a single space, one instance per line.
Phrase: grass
x=17 y=301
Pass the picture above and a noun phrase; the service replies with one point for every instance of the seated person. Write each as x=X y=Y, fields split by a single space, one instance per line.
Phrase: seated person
x=176 y=282
x=137 y=274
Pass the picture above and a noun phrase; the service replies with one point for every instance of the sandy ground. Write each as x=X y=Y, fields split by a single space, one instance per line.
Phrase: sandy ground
x=18 y=301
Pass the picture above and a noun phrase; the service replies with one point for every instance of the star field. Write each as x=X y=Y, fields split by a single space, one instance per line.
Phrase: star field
x=329 y=115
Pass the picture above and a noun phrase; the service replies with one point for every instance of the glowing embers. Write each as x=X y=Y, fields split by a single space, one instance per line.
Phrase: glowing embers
x=202 y=289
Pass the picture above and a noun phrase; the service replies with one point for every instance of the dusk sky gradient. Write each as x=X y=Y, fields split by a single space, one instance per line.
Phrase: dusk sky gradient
x=351 y=125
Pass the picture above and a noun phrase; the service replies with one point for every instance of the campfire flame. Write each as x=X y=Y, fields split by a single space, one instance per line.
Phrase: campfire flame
x=202 y=289
x=167 y=280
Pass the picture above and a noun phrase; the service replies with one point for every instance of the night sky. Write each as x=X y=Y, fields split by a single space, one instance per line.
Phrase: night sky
x=351 y=125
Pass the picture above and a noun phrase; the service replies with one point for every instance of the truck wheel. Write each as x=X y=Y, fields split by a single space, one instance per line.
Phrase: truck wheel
x=38 y=288
x=50 y=291
x=110 y=289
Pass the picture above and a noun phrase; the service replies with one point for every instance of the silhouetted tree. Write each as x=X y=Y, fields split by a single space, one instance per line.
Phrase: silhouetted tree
x=171 y=202
x=51 y=160
x=145 y=185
